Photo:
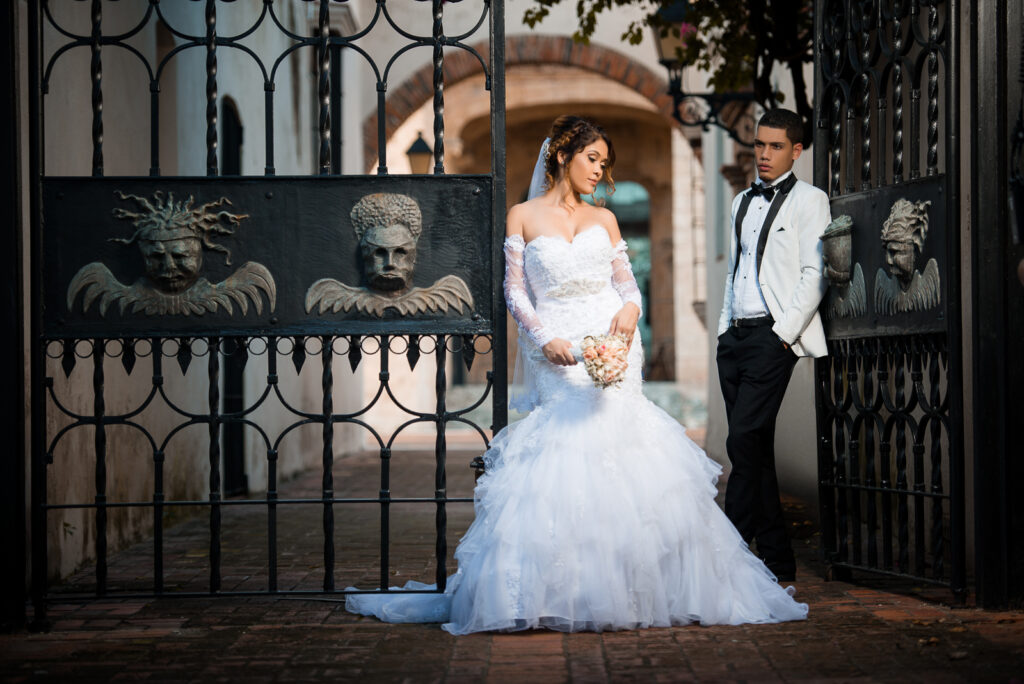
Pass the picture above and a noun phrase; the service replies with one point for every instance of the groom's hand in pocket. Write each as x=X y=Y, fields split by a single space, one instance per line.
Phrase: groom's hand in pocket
x=559 y=352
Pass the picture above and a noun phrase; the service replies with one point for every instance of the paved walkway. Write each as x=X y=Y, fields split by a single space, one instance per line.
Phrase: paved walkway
x=862 y=633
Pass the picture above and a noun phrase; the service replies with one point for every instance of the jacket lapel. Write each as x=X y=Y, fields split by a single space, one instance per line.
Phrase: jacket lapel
x=780 y=196
x=740 y=215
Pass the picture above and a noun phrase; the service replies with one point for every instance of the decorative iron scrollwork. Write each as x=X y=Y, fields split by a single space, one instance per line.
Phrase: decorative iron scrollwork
x=162 y=344
x=388 y=226
x=888 y=394
x=172 y=236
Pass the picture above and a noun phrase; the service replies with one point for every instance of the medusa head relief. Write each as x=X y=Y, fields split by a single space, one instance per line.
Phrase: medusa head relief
x=172 y=236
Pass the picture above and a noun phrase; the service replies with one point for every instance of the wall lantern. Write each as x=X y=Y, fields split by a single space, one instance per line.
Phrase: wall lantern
x=420 y=155
x=728 y=111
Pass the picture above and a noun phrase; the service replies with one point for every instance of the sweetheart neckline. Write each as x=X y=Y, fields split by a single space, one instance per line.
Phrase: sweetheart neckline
x=574 y=237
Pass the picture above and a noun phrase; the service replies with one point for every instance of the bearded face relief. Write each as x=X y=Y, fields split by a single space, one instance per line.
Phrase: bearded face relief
x=172 y=236
x=389 y=257
x=388 y=226
x=172 y=265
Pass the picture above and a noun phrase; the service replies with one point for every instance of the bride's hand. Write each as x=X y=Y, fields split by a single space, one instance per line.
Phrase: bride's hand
x=559 y=352
x=624 y=321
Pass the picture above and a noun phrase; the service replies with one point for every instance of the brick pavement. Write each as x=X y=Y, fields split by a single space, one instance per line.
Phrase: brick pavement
x=855 y=633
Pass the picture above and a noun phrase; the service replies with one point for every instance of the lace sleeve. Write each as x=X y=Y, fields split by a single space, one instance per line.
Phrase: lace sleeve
x=622 y=277
x=517 y=296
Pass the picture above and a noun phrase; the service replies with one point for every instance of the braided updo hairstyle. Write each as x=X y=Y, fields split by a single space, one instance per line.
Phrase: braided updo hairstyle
x=571 y=134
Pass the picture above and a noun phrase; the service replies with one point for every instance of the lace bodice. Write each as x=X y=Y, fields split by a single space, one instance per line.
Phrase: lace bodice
x=550 y=268
x=556 y=288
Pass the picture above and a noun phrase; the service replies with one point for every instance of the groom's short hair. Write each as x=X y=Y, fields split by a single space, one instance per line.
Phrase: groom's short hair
x=787 y=120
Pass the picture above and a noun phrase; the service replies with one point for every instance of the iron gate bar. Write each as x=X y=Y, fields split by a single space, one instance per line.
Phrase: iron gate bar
x=158 y=522
x=327 y=384
x=384 y=495
x=996 y=330
x=53 y=324
x=438 y=35
x=324 y=63
x=496 y=81
x=213 y=369
x=100 y=447
x=96 y=71
x=36 y=352
x=955 y=370
x=211 y=88
x=440 y=452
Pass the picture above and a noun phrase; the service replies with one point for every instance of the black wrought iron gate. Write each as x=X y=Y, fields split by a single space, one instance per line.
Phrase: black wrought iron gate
x=889 y=395
x=155 y=275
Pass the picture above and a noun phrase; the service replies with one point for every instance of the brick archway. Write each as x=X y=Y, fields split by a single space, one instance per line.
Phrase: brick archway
x=519 y=50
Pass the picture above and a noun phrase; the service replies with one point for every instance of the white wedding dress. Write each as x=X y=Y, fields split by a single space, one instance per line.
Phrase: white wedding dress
x=596 y=511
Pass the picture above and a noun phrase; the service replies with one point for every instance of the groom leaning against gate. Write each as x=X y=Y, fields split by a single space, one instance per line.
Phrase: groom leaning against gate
x=769 y=319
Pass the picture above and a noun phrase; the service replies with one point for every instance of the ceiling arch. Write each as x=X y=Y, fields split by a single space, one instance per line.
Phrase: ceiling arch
x=531 y=49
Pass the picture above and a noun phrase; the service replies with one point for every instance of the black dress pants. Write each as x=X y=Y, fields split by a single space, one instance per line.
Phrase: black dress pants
x=754 y=369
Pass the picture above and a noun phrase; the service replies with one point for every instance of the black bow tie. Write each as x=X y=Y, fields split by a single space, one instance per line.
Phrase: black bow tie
x=766 y=191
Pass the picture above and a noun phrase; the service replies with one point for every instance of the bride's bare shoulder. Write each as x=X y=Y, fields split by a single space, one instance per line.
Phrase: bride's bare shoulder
x=515 y=220
x=606 y=219
x=528 y=206
x=522 y=215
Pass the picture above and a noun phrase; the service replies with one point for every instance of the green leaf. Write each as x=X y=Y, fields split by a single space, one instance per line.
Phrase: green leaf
x=736 y=49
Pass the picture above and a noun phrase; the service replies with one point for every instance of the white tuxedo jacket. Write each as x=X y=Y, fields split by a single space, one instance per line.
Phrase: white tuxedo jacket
x=789 y=269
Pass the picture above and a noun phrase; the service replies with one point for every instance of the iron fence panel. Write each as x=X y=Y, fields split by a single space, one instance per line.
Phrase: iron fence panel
x=175 y=278
x=889 y=394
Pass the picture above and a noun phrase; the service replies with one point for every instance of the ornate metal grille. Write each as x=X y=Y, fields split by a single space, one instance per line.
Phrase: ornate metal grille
x=889 y=394
x=264 y=310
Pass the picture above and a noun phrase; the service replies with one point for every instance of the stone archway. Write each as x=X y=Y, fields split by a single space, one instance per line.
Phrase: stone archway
x=520 y=50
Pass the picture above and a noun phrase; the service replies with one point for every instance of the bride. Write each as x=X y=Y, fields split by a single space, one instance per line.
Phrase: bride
x=596 y=511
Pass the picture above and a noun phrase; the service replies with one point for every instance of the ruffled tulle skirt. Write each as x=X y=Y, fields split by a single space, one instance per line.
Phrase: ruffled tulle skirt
x=596 y=514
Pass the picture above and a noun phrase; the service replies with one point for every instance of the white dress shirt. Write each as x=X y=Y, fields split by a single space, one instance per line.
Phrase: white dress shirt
x=748 y=302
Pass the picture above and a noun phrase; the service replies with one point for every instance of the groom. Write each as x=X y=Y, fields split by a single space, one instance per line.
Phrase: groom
x=769 y=319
